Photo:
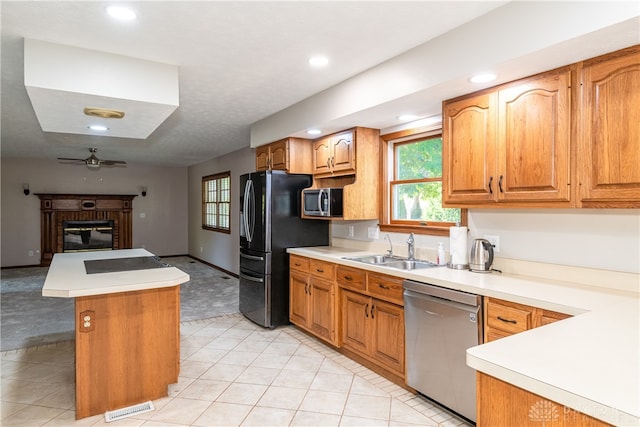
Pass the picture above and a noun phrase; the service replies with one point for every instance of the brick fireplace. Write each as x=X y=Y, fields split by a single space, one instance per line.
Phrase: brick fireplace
x=57 y=211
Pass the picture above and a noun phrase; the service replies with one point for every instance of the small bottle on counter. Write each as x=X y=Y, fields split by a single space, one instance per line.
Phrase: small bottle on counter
x=441 y=256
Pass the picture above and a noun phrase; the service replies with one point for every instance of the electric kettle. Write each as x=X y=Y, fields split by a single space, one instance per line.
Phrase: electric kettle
x=481 y=256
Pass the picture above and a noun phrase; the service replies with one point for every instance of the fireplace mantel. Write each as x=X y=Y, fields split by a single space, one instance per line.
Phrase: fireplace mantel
x=57 y=208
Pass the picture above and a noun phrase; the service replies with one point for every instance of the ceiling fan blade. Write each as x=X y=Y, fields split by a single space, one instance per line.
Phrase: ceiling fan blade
x=73 y=160
x=112 y=162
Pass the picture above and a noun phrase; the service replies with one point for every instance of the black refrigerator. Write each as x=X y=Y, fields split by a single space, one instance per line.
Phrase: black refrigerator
x=270 y=222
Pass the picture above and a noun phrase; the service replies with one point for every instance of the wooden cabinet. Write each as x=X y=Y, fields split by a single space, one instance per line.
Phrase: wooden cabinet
x=374 y=329
x=350 y=160
x=312 y=299
x=504 y=318
x=372 y=317
x=503 y=404
x=292 y=155
x=609 y=137
x=510 y=144
x=334 y=154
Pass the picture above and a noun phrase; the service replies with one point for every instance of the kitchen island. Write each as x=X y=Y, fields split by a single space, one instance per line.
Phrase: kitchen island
x=127 y=311
x=589 y=362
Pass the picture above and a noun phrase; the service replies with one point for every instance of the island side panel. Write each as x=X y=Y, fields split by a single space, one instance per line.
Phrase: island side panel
x=128 y=352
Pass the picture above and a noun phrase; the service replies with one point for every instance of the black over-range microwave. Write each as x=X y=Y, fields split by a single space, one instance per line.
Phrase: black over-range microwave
x=322 y=202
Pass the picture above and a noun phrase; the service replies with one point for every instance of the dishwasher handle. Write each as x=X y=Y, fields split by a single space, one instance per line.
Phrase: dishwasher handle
x=421 y=299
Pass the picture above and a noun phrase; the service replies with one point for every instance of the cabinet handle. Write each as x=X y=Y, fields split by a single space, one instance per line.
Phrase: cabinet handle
x=380 y=285
x=305 y=288
x=333 y=161
x=329 y=162
x=490 y=181
x=507 y=320
x=500 y=184
x=366 y=311
x=347 y=278
x=372 y=307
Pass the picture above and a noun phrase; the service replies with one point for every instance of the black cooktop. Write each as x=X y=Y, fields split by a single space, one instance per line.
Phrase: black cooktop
x=123 y=264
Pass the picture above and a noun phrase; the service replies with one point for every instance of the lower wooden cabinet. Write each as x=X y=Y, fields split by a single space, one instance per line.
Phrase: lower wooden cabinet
x=312 y=298
x=503 y=404
x=374 y=329
x=504 y=318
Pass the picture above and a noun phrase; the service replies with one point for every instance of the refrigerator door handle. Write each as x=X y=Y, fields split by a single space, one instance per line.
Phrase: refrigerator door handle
x=248 y=216
x=251 y=279
x=251 y=257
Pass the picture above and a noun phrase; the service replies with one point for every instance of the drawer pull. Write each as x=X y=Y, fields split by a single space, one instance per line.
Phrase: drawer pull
x=319 y=270
x=507 y=320
x=348 y=278
x=297 y=265
x=380 y=285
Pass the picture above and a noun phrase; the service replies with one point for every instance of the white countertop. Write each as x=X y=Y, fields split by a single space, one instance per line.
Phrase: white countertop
x=67 y=277
x=590 y=362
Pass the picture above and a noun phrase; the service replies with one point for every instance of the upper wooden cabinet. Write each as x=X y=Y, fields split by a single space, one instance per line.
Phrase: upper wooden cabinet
x=510 y=144
x=290 y=154
x=609 y=131
x=334 y=155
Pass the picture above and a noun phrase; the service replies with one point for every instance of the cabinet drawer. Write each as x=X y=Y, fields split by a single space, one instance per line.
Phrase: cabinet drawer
x=351 y=277
x=299 y=263
x=322 y=269
x=512 y=319
x=385 y=287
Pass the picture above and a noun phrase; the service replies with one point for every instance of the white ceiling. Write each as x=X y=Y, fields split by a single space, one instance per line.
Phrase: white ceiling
x=239 y=62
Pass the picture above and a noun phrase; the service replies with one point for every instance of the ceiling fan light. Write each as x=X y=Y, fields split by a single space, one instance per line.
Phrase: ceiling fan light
x=103 y=113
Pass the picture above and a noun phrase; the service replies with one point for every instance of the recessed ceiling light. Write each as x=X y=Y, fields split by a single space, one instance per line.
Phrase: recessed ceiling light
x=314 y=131
x=408 y=117
x=483 y=78
x=99 y=128
x=318 y=61
x=122 y=13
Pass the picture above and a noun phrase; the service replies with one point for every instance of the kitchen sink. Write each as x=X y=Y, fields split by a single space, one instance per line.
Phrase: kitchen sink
x=393 y=262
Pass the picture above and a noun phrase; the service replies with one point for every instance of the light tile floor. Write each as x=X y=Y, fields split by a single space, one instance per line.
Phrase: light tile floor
x=233 y=373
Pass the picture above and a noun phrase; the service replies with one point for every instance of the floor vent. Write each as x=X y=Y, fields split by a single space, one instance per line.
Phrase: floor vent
x=129 y=411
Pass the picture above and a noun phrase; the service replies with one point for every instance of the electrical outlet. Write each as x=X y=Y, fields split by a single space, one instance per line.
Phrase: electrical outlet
x=495 y=241
x=30 y=253
x=352 y=232
x=373 y=232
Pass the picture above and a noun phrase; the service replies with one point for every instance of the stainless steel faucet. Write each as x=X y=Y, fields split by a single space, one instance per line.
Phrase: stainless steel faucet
x=411 y=243
x=390 y=250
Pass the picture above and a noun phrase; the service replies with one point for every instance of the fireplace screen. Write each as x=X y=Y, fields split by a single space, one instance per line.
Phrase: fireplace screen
x=87 y=236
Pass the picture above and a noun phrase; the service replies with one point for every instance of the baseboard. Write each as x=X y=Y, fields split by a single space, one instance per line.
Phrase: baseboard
x=213 y=266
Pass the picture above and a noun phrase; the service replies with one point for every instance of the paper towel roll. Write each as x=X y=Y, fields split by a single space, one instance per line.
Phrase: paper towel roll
x=458 y=245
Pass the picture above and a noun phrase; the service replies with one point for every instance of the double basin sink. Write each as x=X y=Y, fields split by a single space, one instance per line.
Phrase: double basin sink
x=392 y=261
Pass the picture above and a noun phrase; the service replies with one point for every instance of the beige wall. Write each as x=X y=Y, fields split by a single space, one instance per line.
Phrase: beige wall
x=219 y=249
x=163 y=230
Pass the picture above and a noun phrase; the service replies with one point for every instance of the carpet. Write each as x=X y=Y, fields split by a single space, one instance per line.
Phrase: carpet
x=28 y=319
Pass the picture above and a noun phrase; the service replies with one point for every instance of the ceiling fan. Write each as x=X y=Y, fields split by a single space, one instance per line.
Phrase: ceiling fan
x=93 y=162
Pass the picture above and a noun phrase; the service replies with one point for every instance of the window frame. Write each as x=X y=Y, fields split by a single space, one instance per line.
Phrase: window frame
x=205 y=180
x=387 y=178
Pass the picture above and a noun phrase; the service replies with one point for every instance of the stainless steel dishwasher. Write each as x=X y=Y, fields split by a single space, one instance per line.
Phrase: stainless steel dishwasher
x=440 y=325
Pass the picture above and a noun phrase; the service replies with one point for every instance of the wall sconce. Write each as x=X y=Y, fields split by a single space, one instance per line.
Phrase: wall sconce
x=144 y=191
x=25 y=189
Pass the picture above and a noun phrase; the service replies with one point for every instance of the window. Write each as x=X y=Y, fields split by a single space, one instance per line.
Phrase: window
x=216 y=204
x=413 y=191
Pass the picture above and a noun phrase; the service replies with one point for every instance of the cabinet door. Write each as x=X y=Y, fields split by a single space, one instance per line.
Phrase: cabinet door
x=342 y=153
x=322 y=310
x=534 y=124
x=469 y=150
x=610 y=134
x=387 y=334
x=298 y=298
x=355 y=322
x=262 y=158
x=279 y=155
x=322 y=156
